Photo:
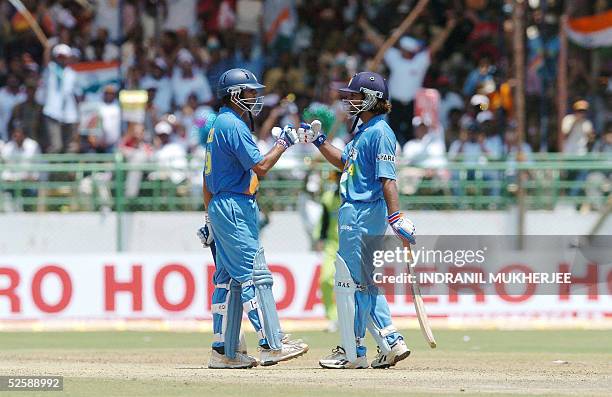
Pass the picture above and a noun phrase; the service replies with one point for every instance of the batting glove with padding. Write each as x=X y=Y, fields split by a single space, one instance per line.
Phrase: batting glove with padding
x=288 y=136
x=312 y=133
x=402 y=227
x=205 y=233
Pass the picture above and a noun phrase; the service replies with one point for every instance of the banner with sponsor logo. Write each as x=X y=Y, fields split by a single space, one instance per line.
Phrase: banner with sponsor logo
x=175 y=286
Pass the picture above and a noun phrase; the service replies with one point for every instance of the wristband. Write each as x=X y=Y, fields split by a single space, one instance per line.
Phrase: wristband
x=319 y=141
x=283 y=143
x=394 y=217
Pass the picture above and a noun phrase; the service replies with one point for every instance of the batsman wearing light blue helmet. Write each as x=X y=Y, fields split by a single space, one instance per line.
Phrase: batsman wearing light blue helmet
x=370 y=203
x=242 y=279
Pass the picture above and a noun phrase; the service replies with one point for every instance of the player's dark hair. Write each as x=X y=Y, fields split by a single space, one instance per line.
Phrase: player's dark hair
x=226 y=100
x=381 y=107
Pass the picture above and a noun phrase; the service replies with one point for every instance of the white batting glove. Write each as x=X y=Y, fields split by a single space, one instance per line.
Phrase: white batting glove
x=205 y=233
x=288 y=136
x=312 y=133
x=276 y=132
x=402 y=227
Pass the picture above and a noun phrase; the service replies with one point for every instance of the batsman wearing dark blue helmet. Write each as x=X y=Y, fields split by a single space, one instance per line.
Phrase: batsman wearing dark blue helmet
x=242 y=278
x=370 y=203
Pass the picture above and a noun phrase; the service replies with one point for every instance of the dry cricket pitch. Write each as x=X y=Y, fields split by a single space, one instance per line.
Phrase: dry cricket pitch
x=466 y=363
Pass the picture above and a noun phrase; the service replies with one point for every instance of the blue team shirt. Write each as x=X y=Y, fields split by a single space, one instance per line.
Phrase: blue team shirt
x=367 y=158
x=230 y=155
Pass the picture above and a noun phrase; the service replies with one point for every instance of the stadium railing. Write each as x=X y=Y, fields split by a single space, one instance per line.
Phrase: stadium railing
x=109 y=182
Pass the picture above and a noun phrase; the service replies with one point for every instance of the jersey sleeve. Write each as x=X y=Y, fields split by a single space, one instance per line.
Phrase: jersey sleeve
x=385 y=156
x=245 y=149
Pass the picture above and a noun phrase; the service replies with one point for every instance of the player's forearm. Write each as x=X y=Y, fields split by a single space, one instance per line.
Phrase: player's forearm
x=391 y=195
x=332 y=154
x=270 y=159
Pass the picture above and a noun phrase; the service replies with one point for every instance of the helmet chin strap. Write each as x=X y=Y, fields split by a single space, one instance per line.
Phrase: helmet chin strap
x=251 y=121
x=355 y=122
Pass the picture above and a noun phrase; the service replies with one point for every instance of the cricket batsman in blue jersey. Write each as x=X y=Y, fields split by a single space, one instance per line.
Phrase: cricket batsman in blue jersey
x=243 y=282
x=370 y=203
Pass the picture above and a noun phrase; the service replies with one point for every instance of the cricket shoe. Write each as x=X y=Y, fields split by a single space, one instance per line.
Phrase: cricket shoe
x=241 y=361
x=285 y=338
x=338 y=360
x=399 y=351
x=290 y=349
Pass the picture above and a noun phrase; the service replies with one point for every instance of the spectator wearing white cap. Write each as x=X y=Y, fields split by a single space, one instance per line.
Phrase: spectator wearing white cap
x=60 y=100
x=408 y=66
x=478 y=103
x=159 y=82
x=188 y=79
x=577 y=129
x=171 y=157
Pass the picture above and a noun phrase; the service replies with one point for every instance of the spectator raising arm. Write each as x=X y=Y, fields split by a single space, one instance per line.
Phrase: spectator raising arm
x=439 y=40
x=371 y=35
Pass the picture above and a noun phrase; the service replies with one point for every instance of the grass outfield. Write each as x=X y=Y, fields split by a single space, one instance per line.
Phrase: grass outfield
x=465 y=363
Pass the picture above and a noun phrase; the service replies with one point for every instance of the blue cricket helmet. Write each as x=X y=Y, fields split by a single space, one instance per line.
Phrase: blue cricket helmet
x=368 y=82
x=233 y=82
x=372 y=85
x=235 y=79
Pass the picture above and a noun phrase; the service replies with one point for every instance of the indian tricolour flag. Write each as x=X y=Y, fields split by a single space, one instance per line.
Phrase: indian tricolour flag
x=591 y=31
x=93 y=76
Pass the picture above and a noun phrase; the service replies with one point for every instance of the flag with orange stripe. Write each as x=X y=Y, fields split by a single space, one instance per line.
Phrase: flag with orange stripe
x=279 y=19
x=591 y=31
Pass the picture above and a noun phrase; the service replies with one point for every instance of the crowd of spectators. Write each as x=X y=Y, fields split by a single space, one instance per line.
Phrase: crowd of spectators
x=302 y=51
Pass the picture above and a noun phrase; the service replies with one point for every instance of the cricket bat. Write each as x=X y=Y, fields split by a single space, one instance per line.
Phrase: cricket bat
x=419 y=306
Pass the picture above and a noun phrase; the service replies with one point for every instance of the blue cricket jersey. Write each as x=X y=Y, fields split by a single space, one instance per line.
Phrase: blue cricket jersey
x=230 y=155
x=367 y=158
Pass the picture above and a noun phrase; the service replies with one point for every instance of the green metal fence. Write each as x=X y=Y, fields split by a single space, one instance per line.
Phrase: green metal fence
x=111 y=183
